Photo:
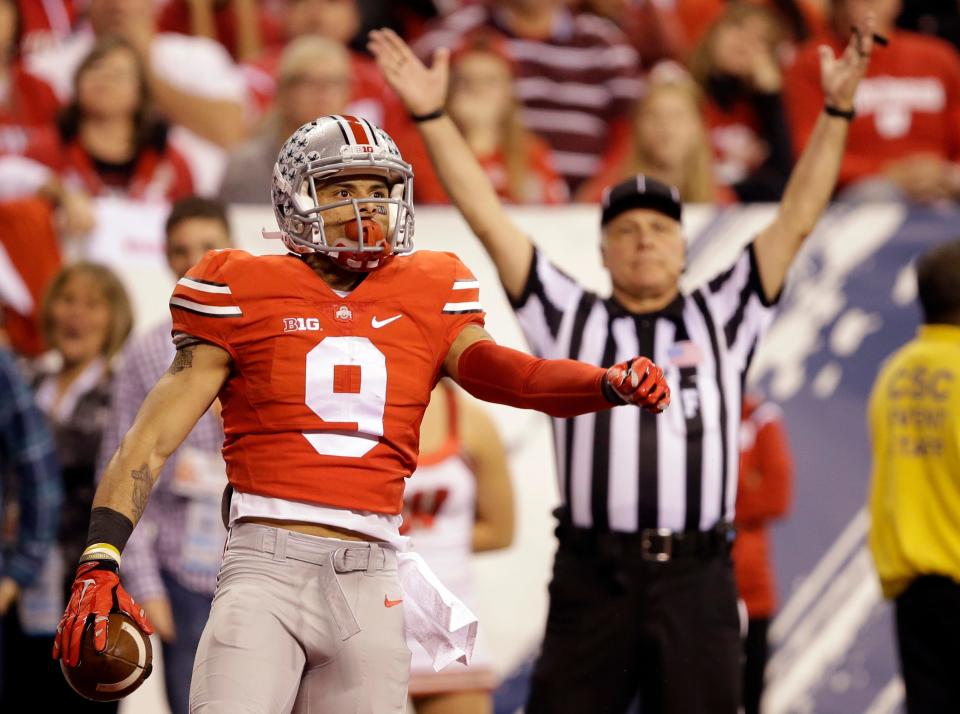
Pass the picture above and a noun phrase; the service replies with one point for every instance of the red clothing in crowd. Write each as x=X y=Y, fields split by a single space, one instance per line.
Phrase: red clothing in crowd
x=544 y=185
x=908 y=104
x=45 y=23
x=735 y=138
x=156 y=174
x=30 y=242
x=28 y=100
x=763 y=495
x=175 y=17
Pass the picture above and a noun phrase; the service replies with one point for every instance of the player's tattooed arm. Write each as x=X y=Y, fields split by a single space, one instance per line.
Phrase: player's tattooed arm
x=182 y=360
x=142 y=485
x=168 y=414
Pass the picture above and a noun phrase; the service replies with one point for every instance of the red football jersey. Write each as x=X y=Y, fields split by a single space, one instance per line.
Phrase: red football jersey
x=326 y=396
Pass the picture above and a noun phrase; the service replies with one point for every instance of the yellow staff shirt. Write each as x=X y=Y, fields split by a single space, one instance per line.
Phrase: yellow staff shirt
x=914 y=418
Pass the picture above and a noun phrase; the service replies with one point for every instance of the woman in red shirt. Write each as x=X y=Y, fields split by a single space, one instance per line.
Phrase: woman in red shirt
x=483 y=106
x=110 y=141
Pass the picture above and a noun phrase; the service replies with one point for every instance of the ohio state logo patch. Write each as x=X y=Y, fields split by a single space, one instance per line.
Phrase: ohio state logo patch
x=344 y=314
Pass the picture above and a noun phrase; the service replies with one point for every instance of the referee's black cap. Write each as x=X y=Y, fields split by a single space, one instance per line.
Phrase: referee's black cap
x=640 y=192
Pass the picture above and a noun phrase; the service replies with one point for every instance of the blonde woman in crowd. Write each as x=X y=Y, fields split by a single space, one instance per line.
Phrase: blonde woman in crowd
x=483 y=105
x=667 y=141
x=86 y=318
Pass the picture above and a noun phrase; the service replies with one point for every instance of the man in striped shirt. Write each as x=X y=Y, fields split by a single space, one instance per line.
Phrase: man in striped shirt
x=643 y=599
x=576 y=73
x=171 y=560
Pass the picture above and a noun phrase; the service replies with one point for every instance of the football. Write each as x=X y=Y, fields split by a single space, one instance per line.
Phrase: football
x=119 y=669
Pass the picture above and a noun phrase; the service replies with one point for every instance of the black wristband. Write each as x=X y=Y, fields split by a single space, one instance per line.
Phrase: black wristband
x=435 y=114
x=610 y=394
x=109 y=526
x=833 y=111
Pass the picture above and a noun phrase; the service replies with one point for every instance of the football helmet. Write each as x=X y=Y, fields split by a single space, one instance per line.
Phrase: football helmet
x=342 y=146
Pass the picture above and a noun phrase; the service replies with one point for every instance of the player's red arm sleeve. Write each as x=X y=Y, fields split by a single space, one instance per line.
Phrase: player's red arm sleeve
x=561 y=388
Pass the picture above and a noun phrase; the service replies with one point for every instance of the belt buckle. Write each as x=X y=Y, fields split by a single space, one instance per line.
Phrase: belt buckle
x=665 y=536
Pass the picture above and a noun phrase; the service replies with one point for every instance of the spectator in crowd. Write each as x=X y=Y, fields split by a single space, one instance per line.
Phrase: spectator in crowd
x=313 y=80
x=86 y=317
x=668 y=142
x=763 y=496
x=459 y=501
x=905 y=139
x=30 y=498
x=111 y=142
x=25 y=100
x=576 y=74
x=335 y=20
x=652 y=26
x=170 y=563
x=483 y=105
x=244 y=27
x=339 y=21
x=914 y=421
x=194 y=83
x=800 y=18
x=736 y=64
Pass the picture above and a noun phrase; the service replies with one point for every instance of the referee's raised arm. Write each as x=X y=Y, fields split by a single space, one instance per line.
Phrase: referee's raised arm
x=815 y=176
x=424 y=93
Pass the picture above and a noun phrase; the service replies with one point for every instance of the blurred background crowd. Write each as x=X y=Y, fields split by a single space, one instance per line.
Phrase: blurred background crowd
x=155 y=100
x=161 y=101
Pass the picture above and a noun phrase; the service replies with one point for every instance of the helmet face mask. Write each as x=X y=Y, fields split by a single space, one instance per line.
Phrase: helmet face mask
x=329 y=149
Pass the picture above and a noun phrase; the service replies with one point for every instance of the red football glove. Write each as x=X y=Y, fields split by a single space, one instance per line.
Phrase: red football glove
x=640 y=382
x=96 y=592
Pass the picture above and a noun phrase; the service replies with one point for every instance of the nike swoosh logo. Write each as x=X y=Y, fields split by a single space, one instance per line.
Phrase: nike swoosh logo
x=377 y=324
x=87 y=584
x=391 y=603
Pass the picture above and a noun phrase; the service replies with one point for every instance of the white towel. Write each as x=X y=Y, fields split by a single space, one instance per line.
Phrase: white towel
x=434 y=616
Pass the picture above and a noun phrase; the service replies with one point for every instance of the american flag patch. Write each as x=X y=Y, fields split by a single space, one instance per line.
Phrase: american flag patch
x=684 y=354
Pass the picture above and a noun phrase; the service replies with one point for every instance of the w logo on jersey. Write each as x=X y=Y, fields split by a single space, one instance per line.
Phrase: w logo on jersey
x=301 y=324
x=421 y=509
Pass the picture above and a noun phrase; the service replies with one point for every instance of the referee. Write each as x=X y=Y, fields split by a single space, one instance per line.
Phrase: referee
x=643 y=599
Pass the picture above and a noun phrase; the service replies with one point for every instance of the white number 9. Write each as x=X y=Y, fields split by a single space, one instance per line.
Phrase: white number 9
x=346 y=382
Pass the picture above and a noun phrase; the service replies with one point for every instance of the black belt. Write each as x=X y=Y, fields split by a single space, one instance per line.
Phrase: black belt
x=657 y=545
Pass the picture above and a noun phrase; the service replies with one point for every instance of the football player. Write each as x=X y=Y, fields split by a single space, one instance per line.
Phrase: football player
x=323 y=360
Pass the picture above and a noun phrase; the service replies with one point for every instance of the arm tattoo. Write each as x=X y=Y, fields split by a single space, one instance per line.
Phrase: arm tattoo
x=183 y=359
x=142 y=484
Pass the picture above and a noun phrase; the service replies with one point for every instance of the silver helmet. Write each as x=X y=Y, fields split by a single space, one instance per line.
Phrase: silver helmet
x=341 y=146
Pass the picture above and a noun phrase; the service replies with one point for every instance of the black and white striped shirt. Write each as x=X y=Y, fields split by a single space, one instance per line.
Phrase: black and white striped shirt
x=625 y=469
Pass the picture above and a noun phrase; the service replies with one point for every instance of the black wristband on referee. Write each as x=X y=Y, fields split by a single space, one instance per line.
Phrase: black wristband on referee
x=833 y=111
x=108 y=534
x=435 y=114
